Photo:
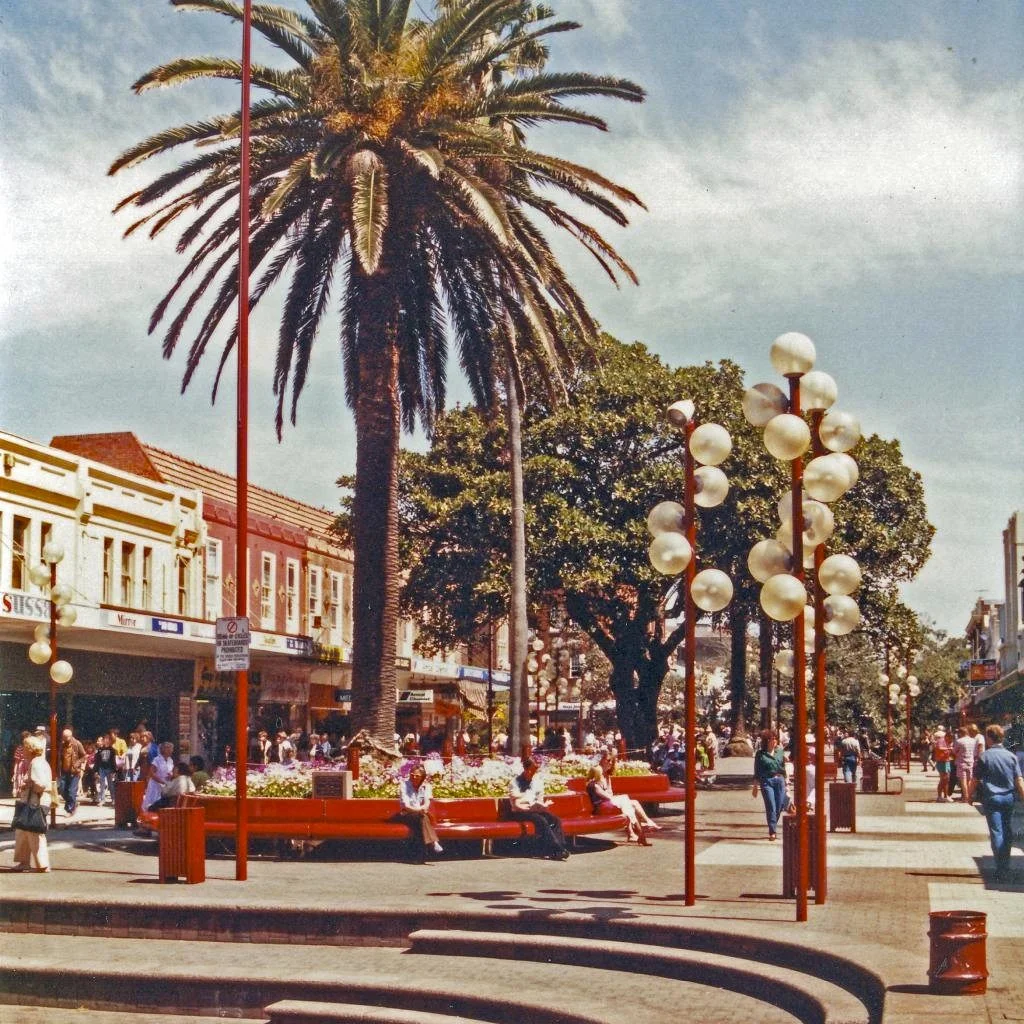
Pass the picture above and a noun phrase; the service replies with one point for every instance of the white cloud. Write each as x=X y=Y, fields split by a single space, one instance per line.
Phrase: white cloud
x=862 y=158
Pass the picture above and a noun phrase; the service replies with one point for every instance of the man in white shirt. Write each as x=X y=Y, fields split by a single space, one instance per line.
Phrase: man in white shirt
x=526 y=794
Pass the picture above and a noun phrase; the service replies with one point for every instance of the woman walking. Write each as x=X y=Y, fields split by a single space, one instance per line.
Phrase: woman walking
x=770 y=779
x=30 y=845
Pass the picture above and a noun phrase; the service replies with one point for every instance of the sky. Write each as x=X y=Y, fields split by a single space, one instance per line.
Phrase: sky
x=849 y=170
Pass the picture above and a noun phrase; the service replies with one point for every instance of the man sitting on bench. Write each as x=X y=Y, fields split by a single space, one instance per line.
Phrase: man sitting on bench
x=528 y=804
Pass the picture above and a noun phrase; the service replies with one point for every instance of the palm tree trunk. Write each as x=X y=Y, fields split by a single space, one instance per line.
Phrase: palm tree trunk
x=375 y=531
x=519 y=704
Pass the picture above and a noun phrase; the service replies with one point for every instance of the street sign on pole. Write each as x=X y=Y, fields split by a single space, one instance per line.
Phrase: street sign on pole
x=232 y=644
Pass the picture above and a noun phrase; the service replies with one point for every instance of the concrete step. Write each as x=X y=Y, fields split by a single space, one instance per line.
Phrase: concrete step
x=244 y=978
x=302 y=1011
x=15 y=1013
x=808 y=998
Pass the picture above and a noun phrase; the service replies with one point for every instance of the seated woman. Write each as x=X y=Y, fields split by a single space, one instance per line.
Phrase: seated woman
x=637 y=823
x=414 y=795
x=177 y=785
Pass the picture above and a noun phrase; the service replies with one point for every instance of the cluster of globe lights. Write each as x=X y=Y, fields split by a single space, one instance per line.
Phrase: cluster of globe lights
x=39 y=652
x=541 y=688
x=670 y=552
x=826 y=478
x=912 y=683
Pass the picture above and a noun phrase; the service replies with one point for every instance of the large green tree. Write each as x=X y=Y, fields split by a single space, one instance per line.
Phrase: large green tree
x=388 y=181
x=594 y=468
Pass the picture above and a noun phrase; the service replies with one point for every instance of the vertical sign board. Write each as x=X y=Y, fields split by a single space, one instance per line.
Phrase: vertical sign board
x=232 y=644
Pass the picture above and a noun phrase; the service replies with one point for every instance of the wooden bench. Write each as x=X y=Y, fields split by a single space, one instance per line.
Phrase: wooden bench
x=480 y=819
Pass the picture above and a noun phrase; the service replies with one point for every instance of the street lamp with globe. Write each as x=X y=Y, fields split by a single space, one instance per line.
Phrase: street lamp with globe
x=43 y=651
x=673 y=552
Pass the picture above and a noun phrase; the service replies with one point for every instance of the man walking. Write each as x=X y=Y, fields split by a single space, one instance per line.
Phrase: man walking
x=998 y=774
x=71 y=760
x=849 y=753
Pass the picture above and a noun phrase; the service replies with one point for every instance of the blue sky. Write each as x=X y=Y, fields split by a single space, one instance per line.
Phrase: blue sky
x=849 y=170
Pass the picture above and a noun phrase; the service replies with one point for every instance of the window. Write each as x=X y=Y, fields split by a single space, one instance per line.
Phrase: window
x=19 y=565
x=315 y=597
x=267 y=591
x=183 y=602
x=127 y=575
x=291 y=598
x=336 y=591
x=45 y=536
x=147 y=577
x=213 y=579
x=108 y=570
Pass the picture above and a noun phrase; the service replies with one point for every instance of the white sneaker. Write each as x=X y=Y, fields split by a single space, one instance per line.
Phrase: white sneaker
x=437 y=847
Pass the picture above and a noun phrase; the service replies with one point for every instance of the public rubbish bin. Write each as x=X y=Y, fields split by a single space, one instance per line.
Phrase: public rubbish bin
x=957 y=952
x=127 y=802
x=842 y=806
x=869 y=775
x=790 y=853
x=182 y=844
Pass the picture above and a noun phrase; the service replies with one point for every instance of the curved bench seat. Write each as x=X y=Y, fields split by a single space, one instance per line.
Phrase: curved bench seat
x=648 y=789
x=471 y=819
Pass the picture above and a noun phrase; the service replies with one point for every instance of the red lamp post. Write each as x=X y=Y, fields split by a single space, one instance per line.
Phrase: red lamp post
x=44 y=650
x=780 y=563
x=673 y=551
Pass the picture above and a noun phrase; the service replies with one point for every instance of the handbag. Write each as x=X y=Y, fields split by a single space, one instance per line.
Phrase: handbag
x=29 y=816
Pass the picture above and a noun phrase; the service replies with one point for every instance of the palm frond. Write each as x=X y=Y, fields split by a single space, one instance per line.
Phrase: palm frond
x=369 y=208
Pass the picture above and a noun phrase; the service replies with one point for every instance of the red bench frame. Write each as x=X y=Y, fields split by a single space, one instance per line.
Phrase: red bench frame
x=474 y=818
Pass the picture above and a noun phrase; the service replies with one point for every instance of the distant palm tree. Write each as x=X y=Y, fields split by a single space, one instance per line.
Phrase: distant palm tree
x=379 y=162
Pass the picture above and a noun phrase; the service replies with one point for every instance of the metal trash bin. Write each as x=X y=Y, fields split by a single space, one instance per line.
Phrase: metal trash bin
x=869 y=775
x=956 y=963
x=790 y=853
x=182 y=844
x=842 y=806
x=127 y=802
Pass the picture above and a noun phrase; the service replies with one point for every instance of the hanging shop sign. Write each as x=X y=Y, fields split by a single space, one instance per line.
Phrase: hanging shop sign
x=415 y=696
x=25 y=606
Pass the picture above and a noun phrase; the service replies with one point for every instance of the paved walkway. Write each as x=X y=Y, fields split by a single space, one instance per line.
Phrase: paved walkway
x=910 y=855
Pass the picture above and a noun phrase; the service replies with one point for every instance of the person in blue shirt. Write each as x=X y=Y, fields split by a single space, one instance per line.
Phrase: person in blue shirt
x=770 y=779
x=997 y=776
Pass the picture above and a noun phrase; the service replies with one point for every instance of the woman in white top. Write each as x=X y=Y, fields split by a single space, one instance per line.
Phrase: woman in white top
x=35 y=789
x=414 y=794
x=160 y=771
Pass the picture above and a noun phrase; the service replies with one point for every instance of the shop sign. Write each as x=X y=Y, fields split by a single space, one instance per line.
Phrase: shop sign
x=444 y=669
x=173 y=626
x=985 y=670
x=568 y=705
x=25 y=606
x=404 y=664
x=299 y=644
x=415 y=696
x=331 y=654
x=127 y=621
x=278 y=688
x=342 y=696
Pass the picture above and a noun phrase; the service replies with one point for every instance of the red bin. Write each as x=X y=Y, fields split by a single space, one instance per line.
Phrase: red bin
x=127 y=802
x=957 y=952
x=842 y=806
x=182 y=844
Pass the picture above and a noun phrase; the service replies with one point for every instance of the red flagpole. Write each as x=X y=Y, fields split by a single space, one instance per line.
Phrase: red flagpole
x=242 y=456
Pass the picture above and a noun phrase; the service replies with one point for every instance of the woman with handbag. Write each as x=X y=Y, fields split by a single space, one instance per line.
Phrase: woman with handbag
x=32 y=803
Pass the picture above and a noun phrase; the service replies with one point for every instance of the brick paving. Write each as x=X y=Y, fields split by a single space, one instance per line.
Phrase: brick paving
x=909 y=856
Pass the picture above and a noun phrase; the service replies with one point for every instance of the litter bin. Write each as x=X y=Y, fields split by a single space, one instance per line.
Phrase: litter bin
x=127 y=802
x=182 y=844
x=869 y=776
x=790 y=853
x=957 y=952
x=842 y=806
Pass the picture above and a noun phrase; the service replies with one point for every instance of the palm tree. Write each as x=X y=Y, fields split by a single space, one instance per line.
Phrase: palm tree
x=380 y=167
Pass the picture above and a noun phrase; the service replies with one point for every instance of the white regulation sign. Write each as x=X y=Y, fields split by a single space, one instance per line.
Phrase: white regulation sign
x=232 y=644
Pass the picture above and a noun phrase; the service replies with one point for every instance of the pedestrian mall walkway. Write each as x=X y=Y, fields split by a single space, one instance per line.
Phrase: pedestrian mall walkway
x=513 y=938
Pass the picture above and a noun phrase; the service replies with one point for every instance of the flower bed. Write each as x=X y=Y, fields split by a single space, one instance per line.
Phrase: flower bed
x=460 y=779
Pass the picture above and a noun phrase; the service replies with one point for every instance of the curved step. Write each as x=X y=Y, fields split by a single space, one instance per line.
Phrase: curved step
x=811 y=999
x=304 y=1011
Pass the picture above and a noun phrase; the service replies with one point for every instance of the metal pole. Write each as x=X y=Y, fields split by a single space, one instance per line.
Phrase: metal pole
x=910 y=705
x=799 y=671
x=821 y=875
x=242 y=456
x=490 y=687
x=54 y=755
x=690 y=611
